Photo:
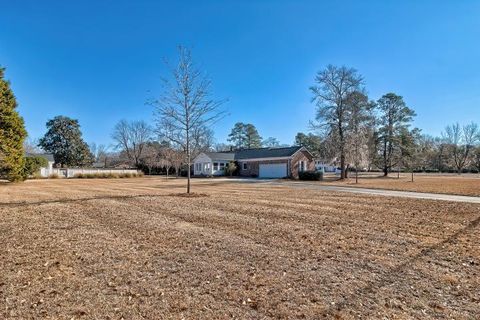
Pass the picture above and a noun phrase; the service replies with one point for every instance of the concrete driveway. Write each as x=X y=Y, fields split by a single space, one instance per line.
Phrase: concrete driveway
x=377 y=192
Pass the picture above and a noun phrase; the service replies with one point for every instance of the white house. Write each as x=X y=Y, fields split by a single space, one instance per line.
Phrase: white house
x=49 y=170
x=326 y=165
x=212 y=163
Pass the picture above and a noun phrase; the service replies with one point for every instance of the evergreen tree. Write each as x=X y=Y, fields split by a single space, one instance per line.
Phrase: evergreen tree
x=237 y=135
x=12 y=134
x=252 y=138
x=245 y=135
x=64 y=140
x=395 y=116
x=312 y=142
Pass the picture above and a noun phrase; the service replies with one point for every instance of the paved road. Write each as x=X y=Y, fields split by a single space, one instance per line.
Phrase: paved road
x=378 y=192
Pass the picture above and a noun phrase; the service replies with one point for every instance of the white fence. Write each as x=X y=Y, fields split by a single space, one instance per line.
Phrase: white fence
x=71 y=172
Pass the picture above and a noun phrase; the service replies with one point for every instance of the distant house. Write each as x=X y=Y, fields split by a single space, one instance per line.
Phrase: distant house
x=49 y=170
x=261 y=162
x=44 y=171
x=326 y=165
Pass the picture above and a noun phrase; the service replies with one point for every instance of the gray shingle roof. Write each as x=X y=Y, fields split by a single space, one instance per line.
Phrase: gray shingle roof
x=221 y=155
x=254 y=153
x=265 y=153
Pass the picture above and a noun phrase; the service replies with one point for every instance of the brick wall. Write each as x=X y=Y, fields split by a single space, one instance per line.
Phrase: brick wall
x=295 y=162
x=253 y=166
x=292 y=166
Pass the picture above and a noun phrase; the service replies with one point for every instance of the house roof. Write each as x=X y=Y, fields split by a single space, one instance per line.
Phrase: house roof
x=47 y=156
x=265 y=153
x=258 y=153
x=221 y=155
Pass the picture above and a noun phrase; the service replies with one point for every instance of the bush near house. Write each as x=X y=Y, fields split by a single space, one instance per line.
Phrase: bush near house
x=107 y=175
x=32 y=165
x=311 y=175
x=231 y=168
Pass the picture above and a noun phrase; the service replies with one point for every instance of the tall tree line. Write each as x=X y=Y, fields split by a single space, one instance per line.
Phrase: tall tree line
x=378 y=135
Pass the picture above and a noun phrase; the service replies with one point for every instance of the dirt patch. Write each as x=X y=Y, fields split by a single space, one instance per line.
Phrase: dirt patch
x=128 y=249
x=190 y=195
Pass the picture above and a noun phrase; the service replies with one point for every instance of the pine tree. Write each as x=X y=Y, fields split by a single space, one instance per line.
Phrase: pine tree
x=253 y=139
x=12 y=134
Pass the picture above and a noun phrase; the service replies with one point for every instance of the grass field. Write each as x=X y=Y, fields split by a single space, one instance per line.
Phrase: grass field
x=467 y=184
x=139 y=249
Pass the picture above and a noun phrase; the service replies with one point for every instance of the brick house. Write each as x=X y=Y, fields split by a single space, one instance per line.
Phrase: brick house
x=261 y=162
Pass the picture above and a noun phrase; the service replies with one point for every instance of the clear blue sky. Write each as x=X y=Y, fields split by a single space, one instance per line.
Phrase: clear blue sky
x=97 y=61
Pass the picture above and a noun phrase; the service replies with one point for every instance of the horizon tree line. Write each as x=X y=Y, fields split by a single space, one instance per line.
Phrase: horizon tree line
x=362 y=134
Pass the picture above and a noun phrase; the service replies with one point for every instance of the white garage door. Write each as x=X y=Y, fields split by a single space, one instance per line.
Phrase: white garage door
x=272 y=170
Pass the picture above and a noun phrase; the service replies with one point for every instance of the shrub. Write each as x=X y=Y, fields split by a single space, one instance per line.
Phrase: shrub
x=32 y=165
x=311 y=175
x=231 y=168
x=107 y=175
x=53 y=176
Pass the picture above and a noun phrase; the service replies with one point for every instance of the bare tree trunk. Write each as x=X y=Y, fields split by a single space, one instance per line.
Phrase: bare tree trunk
x=356 y=174
x=412 y=174
x=342 y=166
x=385 y=164
x=188 y=173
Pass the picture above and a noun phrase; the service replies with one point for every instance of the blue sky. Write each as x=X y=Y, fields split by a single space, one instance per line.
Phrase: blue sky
x=99 y=61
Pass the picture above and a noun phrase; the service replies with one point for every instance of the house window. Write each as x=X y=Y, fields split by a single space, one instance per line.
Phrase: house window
x=301 y=166
x=198 y=167
x=244 y=166
x=215 y=166
x=222 y=166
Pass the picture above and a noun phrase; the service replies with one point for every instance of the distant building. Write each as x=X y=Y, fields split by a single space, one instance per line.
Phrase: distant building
x=260 y=162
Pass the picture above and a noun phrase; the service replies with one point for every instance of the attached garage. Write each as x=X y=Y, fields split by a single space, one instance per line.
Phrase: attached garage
x=272 y=170
x=256 y=163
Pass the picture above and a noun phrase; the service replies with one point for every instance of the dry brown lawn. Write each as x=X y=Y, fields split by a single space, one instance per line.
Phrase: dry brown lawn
x=467 y=185
x=137 y=249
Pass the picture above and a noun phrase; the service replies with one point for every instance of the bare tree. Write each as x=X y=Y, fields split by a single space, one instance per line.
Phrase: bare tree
x=31 y=145
x=219 y=147
x=410 y=147
x=332 y=89
x=358 y=123
x=461 y=141
x=476 y=158
x=131 y=138
x=271 y=142
x=177 y=159
x=185 y=109
x=151 y=156
x=100 y=153
x=167 y=158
